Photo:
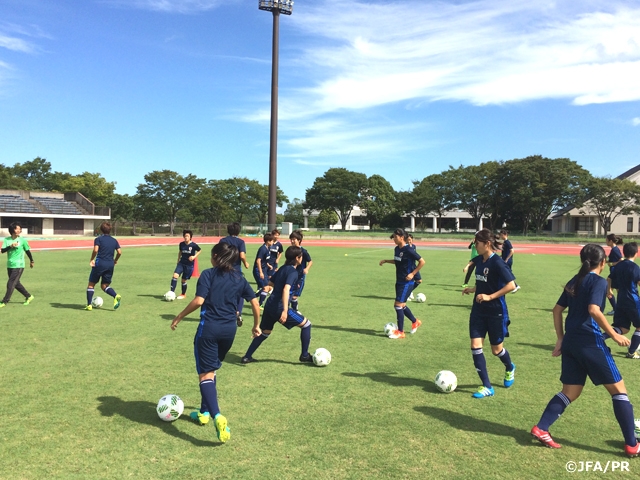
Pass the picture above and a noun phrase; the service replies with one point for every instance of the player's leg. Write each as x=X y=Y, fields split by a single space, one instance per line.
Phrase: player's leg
x=479 y=361
x=497 y=332
x=174 y=278
x=295 y=318
x=403 y=290
x=14 y=278
x=554 y=409
x=107 y=276
x=20 y=288
x=266 y=326
x=94 y=278
x=635 y=343
x=623 y=410
x=187 y=271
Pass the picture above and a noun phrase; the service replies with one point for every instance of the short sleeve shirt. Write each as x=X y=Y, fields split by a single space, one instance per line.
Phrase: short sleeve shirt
x=186 y=251
x=107 y=245
x=592 y=291
x=491 y=276
x=276 y=249
x=405 y=259
x=626 y=276
x=286 y=275
x=264 y=254
x=15 y=256
x=506 y=250
x=239 y=244
x=306 y=258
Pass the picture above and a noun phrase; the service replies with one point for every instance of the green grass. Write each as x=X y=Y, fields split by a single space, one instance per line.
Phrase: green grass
x=79 y=388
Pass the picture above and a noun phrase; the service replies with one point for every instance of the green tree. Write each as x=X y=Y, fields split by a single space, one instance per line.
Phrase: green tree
x=435 y=194
x=295 y=212
x=474 y=188
x=610 y=197
x=262 y=201
x=121 y=207
x=378 y=199
x=162 y=195
x=36 y=173
x=326 y=218
x=339 y=190
x=92 y=185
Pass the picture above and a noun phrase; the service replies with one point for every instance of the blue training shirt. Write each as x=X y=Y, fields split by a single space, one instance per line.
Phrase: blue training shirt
x=221 y=292
x=405 y=259
x=306 y=258
x=614 y=254
x=626 y=276
x=286 y=275
x=186 y=251
x=275 y=249
x=592 y=291
x=491 y=276
x=239 y=244
x=107 y=246
x=506 y=250
x=264 y=254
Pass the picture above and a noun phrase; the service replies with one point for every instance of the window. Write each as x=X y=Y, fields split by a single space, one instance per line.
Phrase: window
x=629 y=224
x=583 y=224
x=359 y=220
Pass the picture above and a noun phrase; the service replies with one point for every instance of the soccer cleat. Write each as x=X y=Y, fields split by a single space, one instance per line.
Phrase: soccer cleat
x=88 y=307
x=510 y=376
x=632 y=451
x=239 y=320
x=635 y=355
x=246 y=360
x=415 y=325
x=200 y=418
x=544 y=438
x=116 y=302
x=222 y=429
x=29 y=300
x=181 y=297
x=396 y=334
x=612 y=312
x=483 y=392
x=2 y=304
x=465 y=285
x=307 y=359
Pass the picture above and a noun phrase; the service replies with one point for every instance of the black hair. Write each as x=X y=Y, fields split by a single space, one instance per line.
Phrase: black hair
x=291 y=254
x=485 y=235
x=630 y=249
x=409 y=235
x=297 y=234
x=275 y=231
x=267 y=237
x=12 y=227
x=399 y=232
x=616 y=239
x=105 y=227
x=184 y=232
x=233 y=229
x=591 y=256
x=504 y=232
x=226 y=256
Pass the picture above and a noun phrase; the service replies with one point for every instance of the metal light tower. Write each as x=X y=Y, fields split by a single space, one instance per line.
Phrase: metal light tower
x=276 y=7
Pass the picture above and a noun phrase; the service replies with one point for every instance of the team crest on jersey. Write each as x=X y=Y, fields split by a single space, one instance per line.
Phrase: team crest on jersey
x=486 y=271
x=483 y=277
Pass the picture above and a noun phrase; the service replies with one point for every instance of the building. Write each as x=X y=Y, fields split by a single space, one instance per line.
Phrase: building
x=47 y=213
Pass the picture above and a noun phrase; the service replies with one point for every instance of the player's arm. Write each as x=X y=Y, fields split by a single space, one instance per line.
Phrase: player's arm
x=509 y=287
x=306 y=270
x=416 y=270
x=192 y=307
x=285 y=303
x=92 y=262
x=259 y=267
x=558 y=325
x=468 y=290
x=243 y=259
x=118 y=255
x=382 y=262
x=510 y=254
x=609 y=291
x=28 y=252
x=255 y=309
x=601 y=320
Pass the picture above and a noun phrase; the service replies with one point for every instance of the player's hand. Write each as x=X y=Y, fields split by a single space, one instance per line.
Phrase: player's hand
x=557 y=351
x=409 y=277
x=92 y=263
x=465 y=269
x=283 y=317
x=175 y=323
x=382 y=262
x=15 y=244
x=621 y=340
x=609 y=294
x=31 y=264
x=256 y=332
x=192 y=258
x=468 y=290
x=483 y=298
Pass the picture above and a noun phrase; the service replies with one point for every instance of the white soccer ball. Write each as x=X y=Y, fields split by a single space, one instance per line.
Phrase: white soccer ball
x=170 y=407
x=389 y=328
x=421 y=298
x=446 y=381
x=170 y=296
x=97 y=302
x=637 y=429
x=322 y=357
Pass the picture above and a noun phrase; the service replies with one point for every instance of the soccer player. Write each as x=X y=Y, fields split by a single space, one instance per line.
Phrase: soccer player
x=276 y=252
x=507 y=253
x=404 y=258
x=260 y=267
x=188 y=251
x=102 y=264
x=417 y=279
x=276 y=309
x=233 y=229
x=303 y=267
x=470 y=267
x=626 y=276
x=615 y=256
x=583 y=351
x=489 y=313
x=217 y=295
x=16 y=247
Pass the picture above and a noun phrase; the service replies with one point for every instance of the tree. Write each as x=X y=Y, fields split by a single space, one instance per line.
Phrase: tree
x=262 y=201
x=326 y=218
x=435 y=194
x=35 y=173
x=121 y=207
x=378 y=199
x=610 y=197
x=295 y=212
x=339 y=190
x=475 y=188
x=92 y=185
x=162 y=195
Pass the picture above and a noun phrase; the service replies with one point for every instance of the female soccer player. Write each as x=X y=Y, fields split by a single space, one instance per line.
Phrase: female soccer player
x=489 y=312
x=102 y=265
x=615 y=257
x=417 y=279
x=470 y=267
x=261 y=267
x=583 y=351
x=404 y=258
x=277 y=310
x=303 y=267
x=188 y=251
x=233 y=229
x=217 y=294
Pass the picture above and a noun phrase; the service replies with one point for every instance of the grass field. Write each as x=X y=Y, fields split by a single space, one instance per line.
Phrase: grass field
x=79 y=388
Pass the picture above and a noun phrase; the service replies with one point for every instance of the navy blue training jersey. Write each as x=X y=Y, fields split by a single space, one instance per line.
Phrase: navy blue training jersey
x=286 y=275
x=306 y=258
x=506 y=250
x=405 y=259
x=614 y=254
x=276 y=249
x=592 y=291
x=264 y=254
x=186 y=251
x=221 y=292
x=491 y=275
x=107 y=246
x=239 y=244
x=626 y=276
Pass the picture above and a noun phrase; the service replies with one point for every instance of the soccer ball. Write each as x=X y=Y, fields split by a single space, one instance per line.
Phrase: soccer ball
x=446 y=381
x=389 y=328
x=421 y=298
x=170 y=296
x=97 y=302
x=322 y=357
x=637 y=429
x=170 y=407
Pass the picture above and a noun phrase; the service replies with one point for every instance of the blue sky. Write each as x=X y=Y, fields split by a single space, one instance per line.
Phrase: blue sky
x=397 y=88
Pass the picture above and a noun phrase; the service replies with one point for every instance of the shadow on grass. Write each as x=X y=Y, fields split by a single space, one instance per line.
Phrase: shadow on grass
x=391 y=379
x=73 y=306
x=145 y=413
x=361 y=331
x=468 y=307
x=373 y=297
x=157 y=297
x=548 y=310
x=170 y=316
x=548 y=348
x=468 y=423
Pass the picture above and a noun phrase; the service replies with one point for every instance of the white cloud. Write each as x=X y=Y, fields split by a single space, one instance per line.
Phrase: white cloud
x=171 y=6
x=635 y=121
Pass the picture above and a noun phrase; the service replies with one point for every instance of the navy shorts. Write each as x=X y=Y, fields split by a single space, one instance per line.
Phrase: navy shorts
x=296 y=291
x=417 y=278
x=210 y=352
x=185 y=270
x=294 y=319
x=261 y=282
x=97 y=272
x=403 y=290
x=497 y=326
x=583 y=356
x=625 y=317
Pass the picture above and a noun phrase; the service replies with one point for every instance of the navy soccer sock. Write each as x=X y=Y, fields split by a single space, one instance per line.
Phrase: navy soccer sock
x=481 y=366
x=506 y=359
x=110 y=291
x=415 y=285
x=615 y=329
x=612 y=301
x=255 y=343
x=184 y=288
x=263 y=297
x=210 y=395
x=203 y=406
x=294 y=304
x=635 y=341
x=305 y=338
x=623 y=410
x=554 y=409
x=409 y=315
x=174 y=282
x=400 y=318
x=89 y=295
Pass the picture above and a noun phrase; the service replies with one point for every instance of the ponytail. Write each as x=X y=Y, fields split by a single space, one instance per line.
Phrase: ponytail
x=485 y=235
x=226 y=256
x=591 y=256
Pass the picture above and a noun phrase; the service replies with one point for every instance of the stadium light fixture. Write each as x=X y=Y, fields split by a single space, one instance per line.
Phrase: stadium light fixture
x=276 y=7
